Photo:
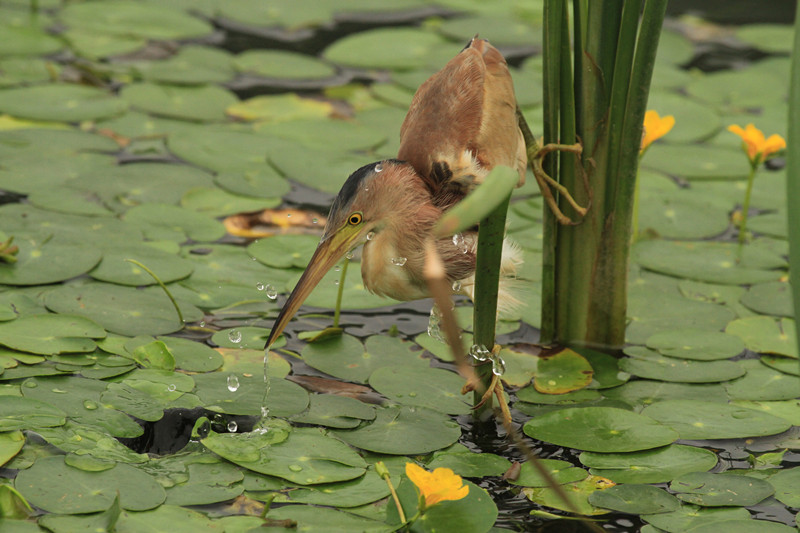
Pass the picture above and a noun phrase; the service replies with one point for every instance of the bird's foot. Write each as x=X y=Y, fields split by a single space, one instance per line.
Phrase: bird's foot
x=536 y=156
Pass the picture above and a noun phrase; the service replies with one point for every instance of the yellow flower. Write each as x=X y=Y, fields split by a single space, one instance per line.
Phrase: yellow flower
x=437 y=486
x=758 y=148
x=655 y=127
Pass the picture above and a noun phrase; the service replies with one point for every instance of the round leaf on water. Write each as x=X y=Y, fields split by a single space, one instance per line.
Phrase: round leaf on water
x=690 y=516
x=264 y=182
x=282 y=64
x=49 y=262
x=236 y=393
x=718 y=490
x=783 y=364
x=114 y=268
x=123 y=310
x=346 y=358
x=192 y=64
x=693 y=121
x=600 y=429
x=605 y=369
x=205 y=103
x=469 y=464
x=389 y=49
x=697 y=161
x=708 y=420
x=62 y=102
x=562 y=372
x=531 y=395
x=367 y=489
x=649 y=466
x=561 y=471
x=11 y=443
x=27 y=41
x=765 y=334
x=216 y=202
x=51 y=334
x=133 y=402
x=635 y=499
x=648 y=364
x=763 y=383
x=57 y=488
x=192 y=356
x=324 y=169
x=766 y=37
x=313 y=519
x=434 y=388
x=308 y=456
x=333 y=411
x=785 y=483
x=731 y=90
x=743 y=526
x=207 y=484
x=774 y=298
x=173 y=223
x=26 y=413
x=285 y=251
x=786 y=409
x=245 y=338
x=404 y=431
x=641 y=393
x=578 y=494
x=696 y=344
x=177 y=519
x=279 y=108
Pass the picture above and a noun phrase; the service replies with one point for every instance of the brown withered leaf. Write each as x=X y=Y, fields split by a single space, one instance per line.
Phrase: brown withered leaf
x=274 y=222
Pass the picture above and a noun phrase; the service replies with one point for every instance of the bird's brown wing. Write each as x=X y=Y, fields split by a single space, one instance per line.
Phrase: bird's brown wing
x=462 y=122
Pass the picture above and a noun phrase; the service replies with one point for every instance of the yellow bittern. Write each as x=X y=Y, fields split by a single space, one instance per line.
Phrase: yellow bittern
x=461 y=123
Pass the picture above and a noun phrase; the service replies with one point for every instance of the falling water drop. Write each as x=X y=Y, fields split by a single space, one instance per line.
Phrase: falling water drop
x=434 y=330
x=235 y=336
x=271 y=291
x=399 y=261
x=233 y=426
x=233 y=383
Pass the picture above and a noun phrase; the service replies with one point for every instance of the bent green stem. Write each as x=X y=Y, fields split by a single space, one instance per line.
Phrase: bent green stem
x=746 y=208
x=163 y=287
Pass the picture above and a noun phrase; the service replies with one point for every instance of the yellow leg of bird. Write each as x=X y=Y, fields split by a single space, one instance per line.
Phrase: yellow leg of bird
x=536 y=156
x=495 y=388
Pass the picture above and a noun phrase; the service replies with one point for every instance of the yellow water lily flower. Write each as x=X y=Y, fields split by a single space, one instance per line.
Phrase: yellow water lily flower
x=655 y=127
x=437 y=486
x=757 y=147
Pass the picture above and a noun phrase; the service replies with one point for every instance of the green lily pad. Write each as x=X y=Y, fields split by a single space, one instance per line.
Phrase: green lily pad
x=308 y=456
x=743 y=526
x=766 y=37
x=346 y=358
x=766 y=335
x=55 y=487
x=62 y=102
x=205 y=103
x=720 y=490
x=264 y=182
x=774 y=298
x=531 y=395
x=371 y=49
x=785 y=483
x=600 y=429
x=105 y=521
x=132 y=401
x=691 y=516
x=649 y=466
x=635 y=499
x=25 y=413
x=237 y=393
x=708 y=261
x=641 y=393
x=323 y=168
x=123 y=310
x=763 y=383
x=695 y=419
x=114 y=268
x=682 y=214
x=561 y=471
x=786 y=409
x=361 y=491
x=279 y=108
x=27 y=41
x=11 y=442
x=174 y=223
x=695 y=344
x=433 y=388
x=404 y=431
x=191 y=65
x=562 y=372
x=771 y=224
x=51 y=334
x=312 y=519
x=578 y=495
x=284 y=251
x=217 y=202
x=783 y=364
x=469 y=464
x=179 y=520
x=207 y=484
x=731 y=90
x=693 y=121
x=282 y=64
x=338 y=412
x=192 y=356
x=40 y=263
x=652 y=365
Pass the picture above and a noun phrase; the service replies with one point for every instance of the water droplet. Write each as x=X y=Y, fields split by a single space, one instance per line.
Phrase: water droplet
x=315 y=220
x=233 y=426
x=399 y=261
x=264 y=411
x=337 y=268
x=288 y=215
x=233 y=383
x=30 y=384
x=460 y=243
x=433 y=325
x=378 y=168
x=171 y=387
x=260 y=286
x=202 y=323
x=456 y=286
x=89 y=404
x=295 y=468
x=479 y=352
x=370 y=235
x=498 y=366
x=271 y=291
x=349 y=254
x=336 y=282
x=235 y=336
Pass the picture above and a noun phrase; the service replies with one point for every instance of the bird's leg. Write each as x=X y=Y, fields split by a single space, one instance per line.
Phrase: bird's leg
x=536 y=156
x=495 y=387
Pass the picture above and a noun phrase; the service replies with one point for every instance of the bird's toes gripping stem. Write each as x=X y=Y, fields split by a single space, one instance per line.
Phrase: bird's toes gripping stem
x=495 y=387
x=536 y=157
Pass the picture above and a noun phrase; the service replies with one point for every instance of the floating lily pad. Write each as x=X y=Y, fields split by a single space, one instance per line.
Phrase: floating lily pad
x=51 y=334
x=531 y=395
x=306 y=457
x=562 y=372
x=27 y=41
x=743 y=526
x=62 y=102
x=695 y=419
x=324 y=169
x=783 y=364
x=635 y=499
x=279 y=108
x=173 y=223
x=719 y=490
x=207 y=484
x=404 y=431
x=696 y=344
x=366 y=489
x=282 y=64
x=600 y=429
x=578 y=495
x=469 y=464
x=691 y=516
x=26 y=413
x=763 y=383
x=649 y=466
x=105 y=521
x=773 y=298
x=371 y=49
x=11 y=442
x=766 y=335
x=243 y=394
x=191 y=65
x=55 y=487
x=264 y=182
x=785 y=483
x=205 y=103
x=652 y=365
x=642 y=392
x=321 y=519
x=123 y=310
x=561 y=471
x=338 y=412
x=114 y=268
x=40 y=263
x=433 y=388
x=346 y=358
x=284 y=251
x=730 y=90
x=180 y=520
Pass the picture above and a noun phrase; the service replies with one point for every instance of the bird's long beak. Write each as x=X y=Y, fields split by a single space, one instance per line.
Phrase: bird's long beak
x=327 y=254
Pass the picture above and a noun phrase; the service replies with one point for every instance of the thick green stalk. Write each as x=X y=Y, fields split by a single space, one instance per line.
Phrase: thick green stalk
x=491 y=233
x=793 y=172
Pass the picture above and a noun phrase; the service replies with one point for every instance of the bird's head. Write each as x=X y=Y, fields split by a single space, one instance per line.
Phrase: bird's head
x=367 y=202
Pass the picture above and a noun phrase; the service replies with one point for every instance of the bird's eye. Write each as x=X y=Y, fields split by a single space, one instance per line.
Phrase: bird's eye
x=355 y=219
